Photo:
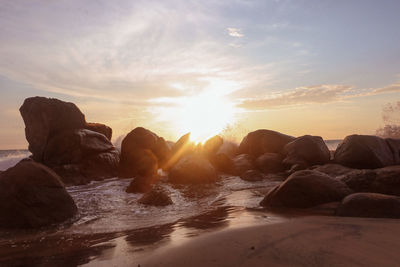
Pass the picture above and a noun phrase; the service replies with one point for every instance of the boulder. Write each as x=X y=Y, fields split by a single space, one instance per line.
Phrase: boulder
x=223 y=163
x=192 y=169
x=305 y=189
x=32 y=195
x=366 y=152
x=384 y=180
x=46 y=117
x=212 y=145
x=156 y=197
x=332 y=169
x=228 y=148
x=264 y=141
x=142 y=152
x=270 y=163
x=252 y=176
x=370 y=205
x=308 y=150
x=80 y=156
x=100 y=128
x=242 y=163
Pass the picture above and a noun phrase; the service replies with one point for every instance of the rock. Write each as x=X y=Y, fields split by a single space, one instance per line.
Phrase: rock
x=192 y=169
x=252 y=176
x=32 y=195
x=332 y=169
x=142 y=184
x=212 y=145
x=228 y=148
x=80 y=156
x=263 y=141
x=223 y=163
x=305 y=189
x=370 y=205
x=385 y=180
x=308 y=150
x=242 y=163
x=156 y=197
x=142 y=152
x=46 y=117
x=270 y=163
x=365 y=152
x=100 y=128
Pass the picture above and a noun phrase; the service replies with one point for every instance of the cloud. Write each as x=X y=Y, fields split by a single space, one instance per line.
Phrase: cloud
x=302 y=95
x=235 y=32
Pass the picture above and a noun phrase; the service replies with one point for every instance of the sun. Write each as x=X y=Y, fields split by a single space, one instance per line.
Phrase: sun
x=204 y=115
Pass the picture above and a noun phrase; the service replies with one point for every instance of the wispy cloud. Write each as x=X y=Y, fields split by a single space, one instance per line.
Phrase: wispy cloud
x=235 y=32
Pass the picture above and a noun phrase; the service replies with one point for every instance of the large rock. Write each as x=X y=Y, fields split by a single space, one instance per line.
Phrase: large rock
x=270 y=163
x=223 y=163
x=264 y=141
x=242 y=163
x=252 y=176
x=142 y=152
x=306 y=150
x=32 y=195
x=142 y=184
x=192 y=169
x=332 y=169
x=305 y=189
x=228 y=148
x=385 y=180
x=46 y=117
x=100 y=128
x=370 y=205
x=366 y=152
x=212 y=145
x=80 y=156
x=156 y=197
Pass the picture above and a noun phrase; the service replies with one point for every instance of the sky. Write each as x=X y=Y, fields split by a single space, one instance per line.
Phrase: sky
x=300 y=67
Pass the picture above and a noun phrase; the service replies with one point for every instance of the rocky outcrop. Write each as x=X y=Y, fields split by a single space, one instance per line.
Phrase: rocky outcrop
x=370 y=205
x=242 y=163
x=228 y=148
x=142 y=153
x=100 y=128
x=58 y=137
x=332 y=169
x=142 y=184
x=263 y=141
x=46 y=117
x=306 y=150
x=156 y=197
x=223 y=163
x=384 y=180
x=192 y=169
x=270 y=163
x=367 y=152
x=32 y=195
x=305 y=189
x=212 y=145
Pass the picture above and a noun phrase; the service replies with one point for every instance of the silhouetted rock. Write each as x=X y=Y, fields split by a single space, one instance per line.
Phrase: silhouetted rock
x=366 y=152
x=370 y=205
x=304 y=189
x=252 y=176
x=270 y=163
x=32 y=195
x=306 y=150
x=242 y=163
x=264 y=141
x=192 y=169
x=156 y=197
x=142 y=152
x=142 y=184
x=80 y=156
x=100 y=128
x=223 y=163
x=46 y=117
x=332 y=169
x=385 y=180
x=228 y=148
x=212 y=145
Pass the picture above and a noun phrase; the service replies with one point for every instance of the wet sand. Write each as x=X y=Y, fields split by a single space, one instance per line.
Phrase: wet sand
x=310 y=241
